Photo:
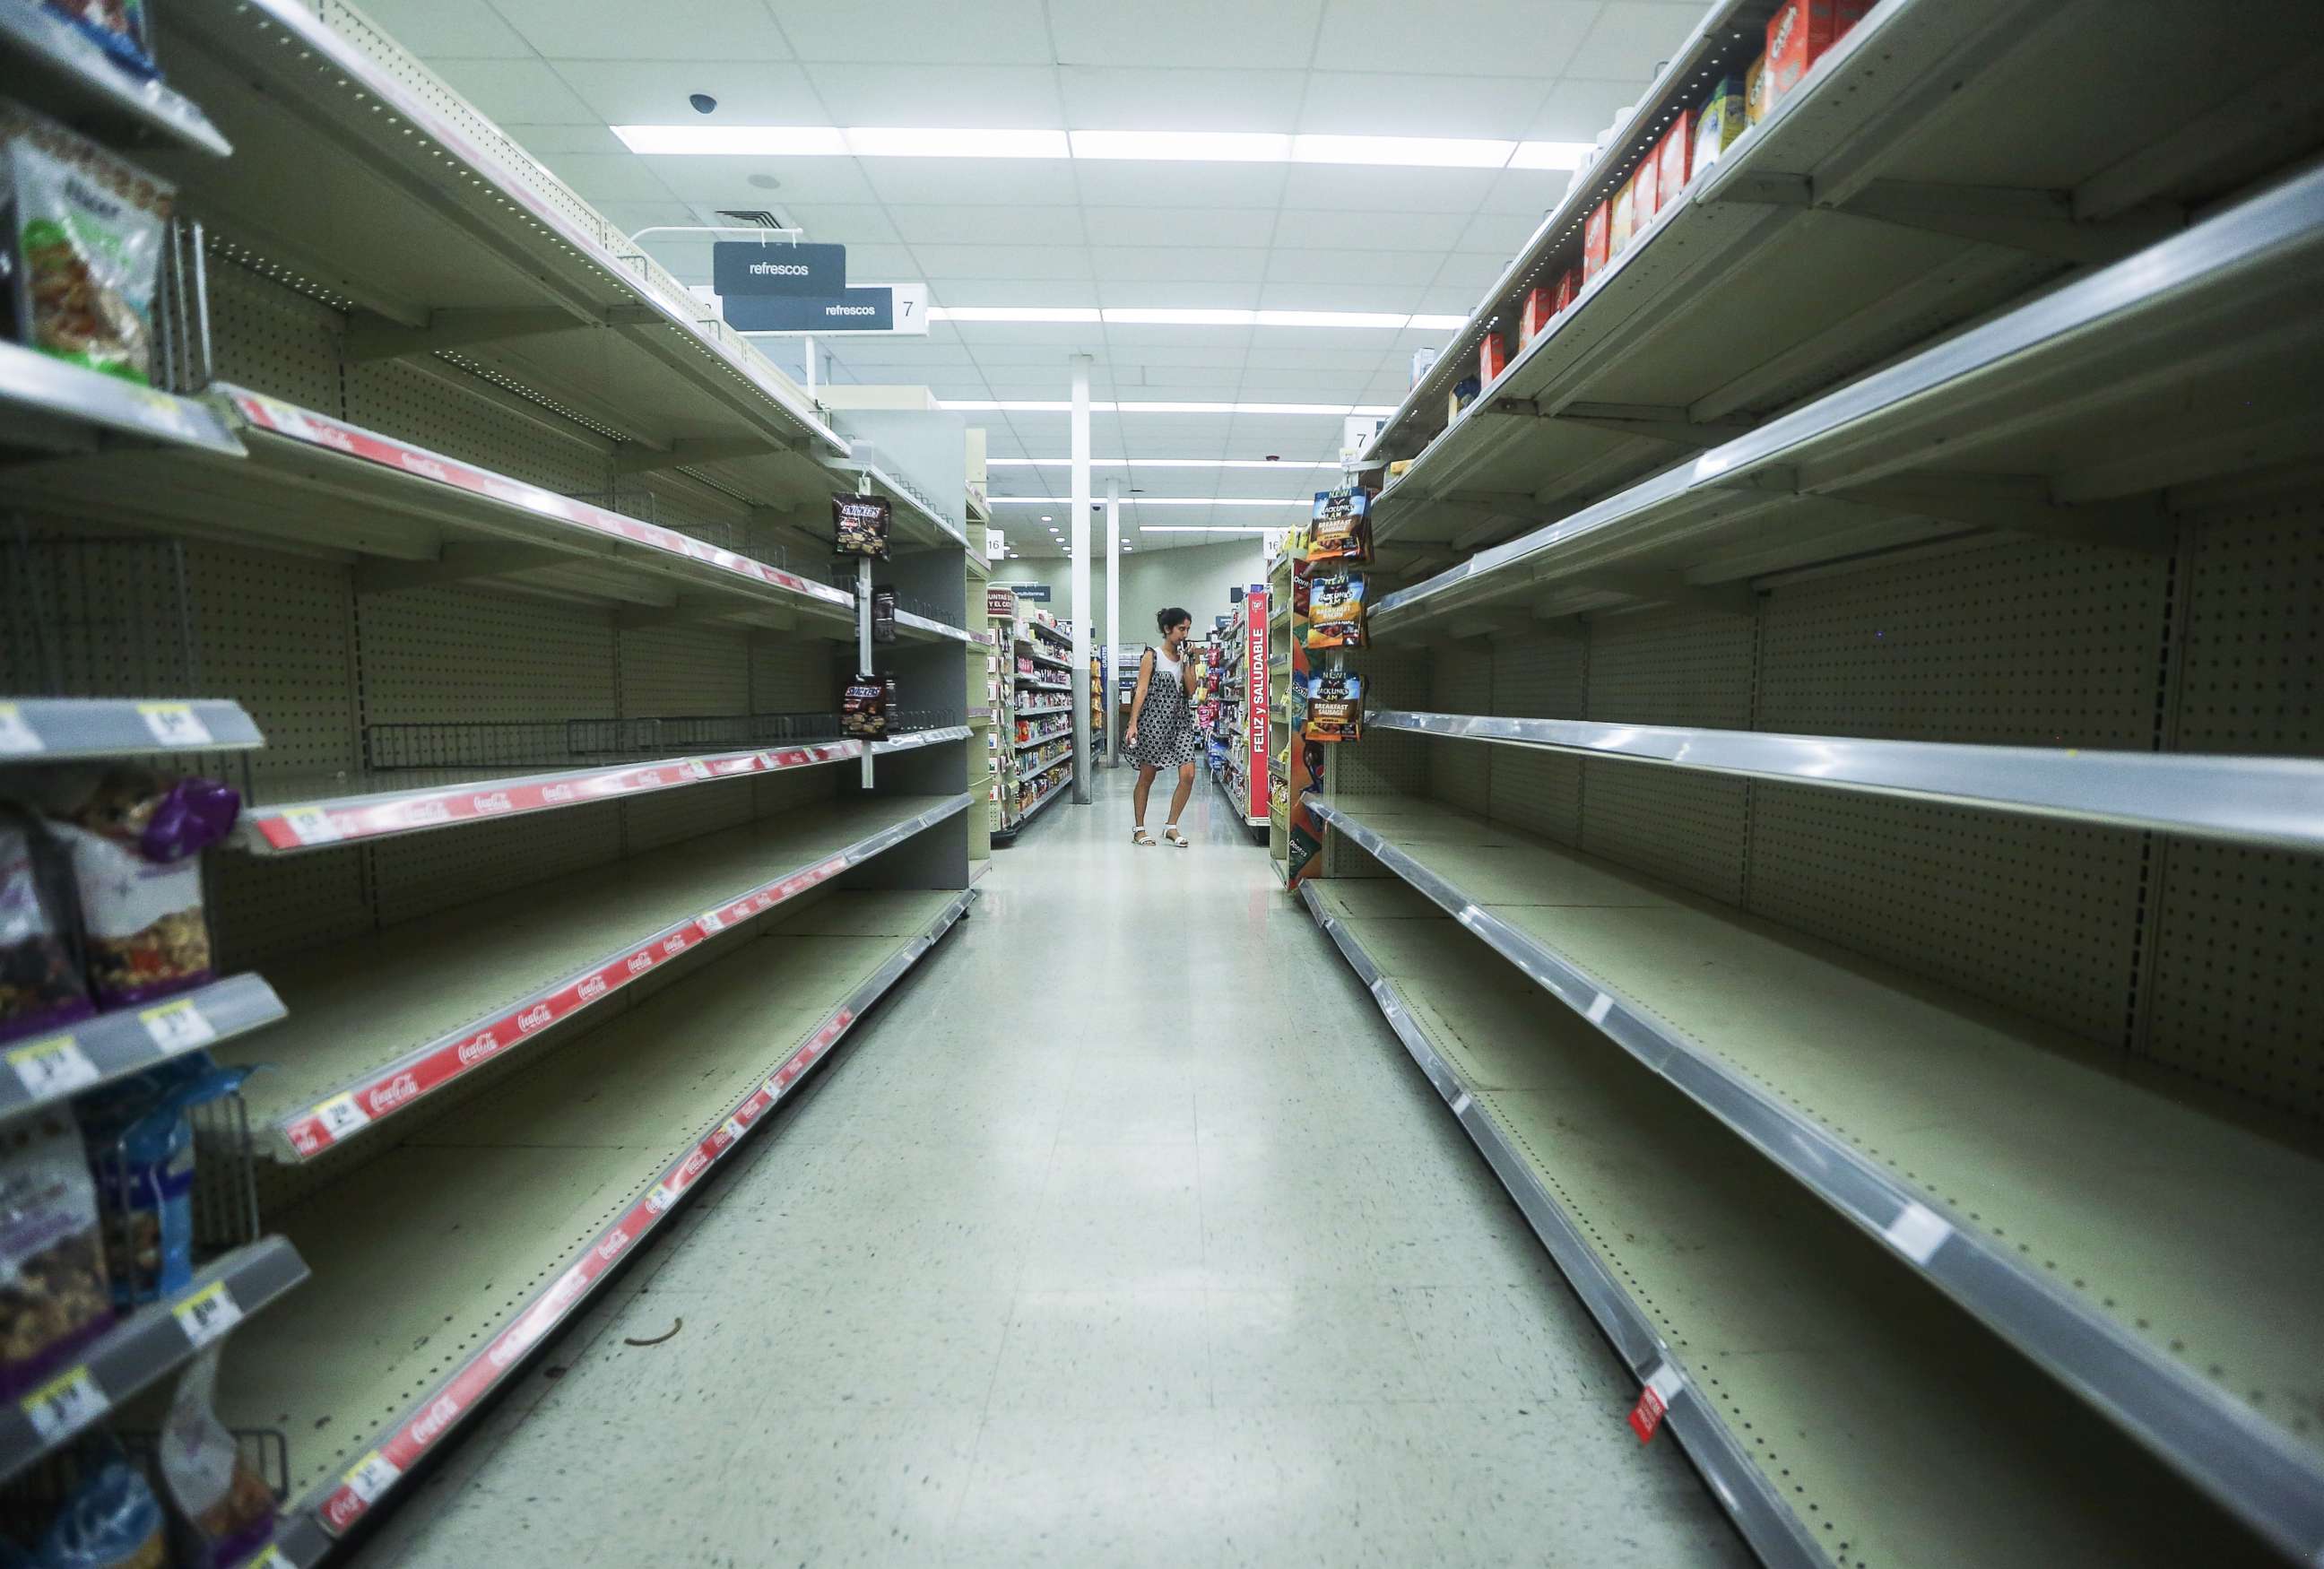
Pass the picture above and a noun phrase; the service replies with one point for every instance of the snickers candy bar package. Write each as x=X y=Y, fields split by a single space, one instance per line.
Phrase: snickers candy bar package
x=1343 y=525
x=1336 y=611
x=1335 y=706
x=859 y=525
x=883 y=613
x=864 y=707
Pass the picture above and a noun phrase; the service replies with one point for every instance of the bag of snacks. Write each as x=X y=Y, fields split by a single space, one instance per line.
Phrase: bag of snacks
x=41 y=960
x=53 y=1291
x=1336 y=611
x=85 y=233
x=859 y=525
x=111 y=1521
x=227 y=1507
x=864 y=707
x=119 y=28
x=140 y=1153
x=1335 y=706
x=883 y=613
x=134 y=841
x=1343 y=526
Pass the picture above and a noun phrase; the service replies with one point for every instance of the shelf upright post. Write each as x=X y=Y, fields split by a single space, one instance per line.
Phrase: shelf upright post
x=1079 y=679
x=1106 y=668
x=863 y=618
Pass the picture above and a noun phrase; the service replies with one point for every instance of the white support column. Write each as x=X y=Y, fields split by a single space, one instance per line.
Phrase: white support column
x=1107 y=697
x=1080 y=535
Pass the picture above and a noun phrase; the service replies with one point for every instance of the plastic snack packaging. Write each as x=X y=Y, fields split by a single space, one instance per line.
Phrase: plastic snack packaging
x=1335 y=706
x=135 y=841
x=864 y=707
x=1335 y=613
x=52 y=1290
x=119 y=28
x=227 y=1507
x=859 y=525
x=41 y=958
x=883 y=613
x=141 y=1157
x=84 y=232
x=1341 y=527
x=111 y=1520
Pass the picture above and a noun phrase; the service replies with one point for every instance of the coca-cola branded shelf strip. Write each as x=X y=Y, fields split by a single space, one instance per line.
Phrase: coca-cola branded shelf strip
x=314 y=430
x=919 y=738
x=292 y=826
x=341 y=1504
x=384 y=1091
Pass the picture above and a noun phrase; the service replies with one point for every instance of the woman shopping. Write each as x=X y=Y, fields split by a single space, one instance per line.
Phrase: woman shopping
x=1161 y=733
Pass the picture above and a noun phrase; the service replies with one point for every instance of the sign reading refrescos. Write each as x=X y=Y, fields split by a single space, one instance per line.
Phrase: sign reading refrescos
x=888 y=308
x=770 y=267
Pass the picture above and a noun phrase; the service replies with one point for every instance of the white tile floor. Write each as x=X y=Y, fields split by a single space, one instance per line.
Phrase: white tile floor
x=1089 y=1251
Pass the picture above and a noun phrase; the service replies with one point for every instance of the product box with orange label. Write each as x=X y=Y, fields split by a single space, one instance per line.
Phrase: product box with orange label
x=1492 y=355
x=1718 y=123
x=1538 y=309
x=1646 y=187
x=1569 y=289
x=1798 y=34
x=1674 y=159
x=1848 y=14
x=1624 y=218
x=1594 y=240
x=1754 y=90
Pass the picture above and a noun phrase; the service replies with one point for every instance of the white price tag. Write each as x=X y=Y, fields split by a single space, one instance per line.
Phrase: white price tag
x=175 y=723
x=207 y=1313
x=312 y=826
x=661 y=1199
x=54 y=1067
x=372 y=1476
x=64 y=1406
x=341 y=1115
x=17 y=738
x=710 y=922
x=177 y=1026
x=733 y=1129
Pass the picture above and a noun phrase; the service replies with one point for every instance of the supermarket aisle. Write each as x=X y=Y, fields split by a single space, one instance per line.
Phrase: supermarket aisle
x=1088 y=1252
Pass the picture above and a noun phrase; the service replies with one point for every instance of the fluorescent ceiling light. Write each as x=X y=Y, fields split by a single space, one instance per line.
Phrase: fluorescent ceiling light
x=1432 y=323
x=1426 y=152
x=1185 y=146
x=1012 y=313
x=1044 y=406
x=1331 y=318
x=1552 y=154
x=759 y=140
x=1169 y=501
x=1206 y=528
x=1144 y=317
x=1156 y=463
x=904 y=142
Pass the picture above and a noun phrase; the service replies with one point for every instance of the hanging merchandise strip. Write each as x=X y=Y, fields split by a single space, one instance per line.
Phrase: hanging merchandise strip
x=389 y=1089
x=365 y=1483
x=310 y=825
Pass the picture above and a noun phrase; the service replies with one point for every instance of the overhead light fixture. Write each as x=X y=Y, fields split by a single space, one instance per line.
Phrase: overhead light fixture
x=1012 y=313
x=1185 y=146
x=1206 y=528
x=754 y=141
x=1563 y=155
x=1332 y=319
x=905 y=142
x=1168 y=501
x=1153 y=146
x=1044 y=406
x=1141 y=317
x=1045 y=516
x=1157 y=463
x=1419 y=151
x=1433 y=323
x=1159 y=316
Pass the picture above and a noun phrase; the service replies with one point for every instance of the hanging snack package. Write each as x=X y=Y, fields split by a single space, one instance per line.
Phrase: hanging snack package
x=52 y=1292
x=119 y=28
x=1343 y=526
x=1336 y=611
x=1335 y=706
x=141 y=1151
x=111 y=1520
x=41 y=968
x=227 y=1507
x=864 y=707
x=84 y=234
x=136 y=840
x=859 y=525
x=883 y=613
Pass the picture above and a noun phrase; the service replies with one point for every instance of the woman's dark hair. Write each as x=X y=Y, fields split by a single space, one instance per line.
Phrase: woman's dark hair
x=1163 y=620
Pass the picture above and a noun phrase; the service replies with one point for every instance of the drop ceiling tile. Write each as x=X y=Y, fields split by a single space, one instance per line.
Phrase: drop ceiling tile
x=1192 y=383
x=1153 y=98
x=1380 y=297
x=1534 y=191
x=434 y=28
x=1217 y=294
x=607 y=177
x=1227 y=356
x=1579 y=108
x=516 y=90
x=953 y=94
x=917 y=31
x=695 y=30
x=1433 y=190
x=1064 y=337
x=1104 y=182
x=1367 y=229
x=1187 y=262
x=1002 y=184
x=629 y=216
x=883 y=264
x=1359 y=35
x=654 y=92
x=1502 y=233
x=1123 y=338
x=1178 y=225
x=1189 y=32
x=1412 y=104
x=1475 y=271
x=905 y=354
x=954 y=264
x=1267 y=353
x=838 y=223
x=1440 y=301
x=1415 y=268
x=1004 y=292
x=1630 y=37
x=984 y=226
x=993 y=356
x=725 y=179
x=543 y=140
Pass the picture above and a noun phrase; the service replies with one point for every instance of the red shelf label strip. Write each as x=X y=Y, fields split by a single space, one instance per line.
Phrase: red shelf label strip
x=320 y=430
x=317 y=1129
x=459 y=1394
x=293 y=828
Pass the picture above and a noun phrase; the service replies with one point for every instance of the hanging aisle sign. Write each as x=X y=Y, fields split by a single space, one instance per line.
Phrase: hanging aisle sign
x=739 y=267
x=900 y=308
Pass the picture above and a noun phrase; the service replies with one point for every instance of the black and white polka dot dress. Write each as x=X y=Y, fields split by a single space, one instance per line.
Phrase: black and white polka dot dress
x=1167 y=737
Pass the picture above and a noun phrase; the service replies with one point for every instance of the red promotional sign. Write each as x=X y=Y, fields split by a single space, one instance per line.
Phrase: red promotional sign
x=1257 y=691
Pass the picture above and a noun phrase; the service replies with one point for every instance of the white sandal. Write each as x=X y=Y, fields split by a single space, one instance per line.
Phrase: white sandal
x=1176 y=840
x=1139 y=837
